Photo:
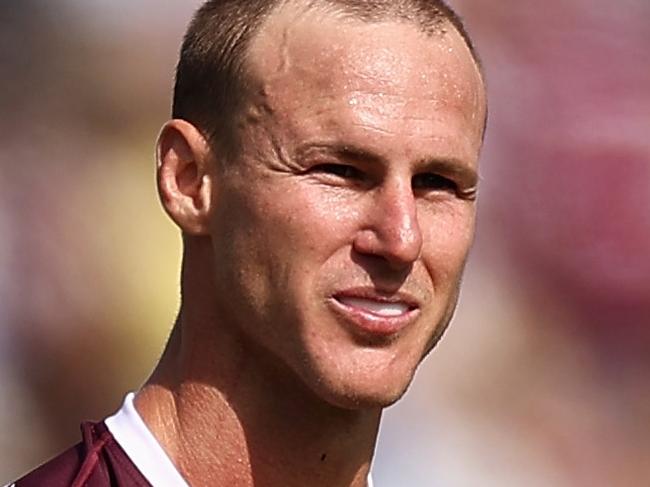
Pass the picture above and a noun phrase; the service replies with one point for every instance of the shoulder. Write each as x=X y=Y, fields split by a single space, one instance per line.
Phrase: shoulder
x=96 y=461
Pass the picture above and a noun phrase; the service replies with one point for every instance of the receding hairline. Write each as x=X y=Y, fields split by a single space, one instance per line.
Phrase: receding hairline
x=444 y=26
x=403 y=12
x=213 y=76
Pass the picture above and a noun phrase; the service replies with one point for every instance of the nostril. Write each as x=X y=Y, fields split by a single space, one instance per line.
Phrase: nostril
x=384 y=253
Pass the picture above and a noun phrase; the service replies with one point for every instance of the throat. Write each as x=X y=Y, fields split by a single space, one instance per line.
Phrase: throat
x=245 y=425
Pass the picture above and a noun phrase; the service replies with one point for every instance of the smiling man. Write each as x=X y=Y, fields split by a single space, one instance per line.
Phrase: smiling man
x=321 y=164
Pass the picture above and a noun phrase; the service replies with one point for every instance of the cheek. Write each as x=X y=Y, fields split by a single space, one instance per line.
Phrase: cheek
x=448 y=233
x=310 y=221
x=282 y=238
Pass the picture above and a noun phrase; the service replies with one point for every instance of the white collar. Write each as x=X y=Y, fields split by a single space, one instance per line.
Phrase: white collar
x=142 y=448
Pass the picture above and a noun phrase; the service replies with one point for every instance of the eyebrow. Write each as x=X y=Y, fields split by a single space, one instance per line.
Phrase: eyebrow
x=451 y=167
x=343 y=151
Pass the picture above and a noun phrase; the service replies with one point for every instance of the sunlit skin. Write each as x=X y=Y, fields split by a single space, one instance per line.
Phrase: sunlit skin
x=357 y=175
x=323 y=262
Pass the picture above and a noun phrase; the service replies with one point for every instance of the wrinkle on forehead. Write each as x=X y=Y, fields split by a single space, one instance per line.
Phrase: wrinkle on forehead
x=295 y=29
x=303 y=49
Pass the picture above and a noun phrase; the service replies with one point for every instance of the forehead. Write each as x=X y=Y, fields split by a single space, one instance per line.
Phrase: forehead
x=316 y=40
x=310 y=60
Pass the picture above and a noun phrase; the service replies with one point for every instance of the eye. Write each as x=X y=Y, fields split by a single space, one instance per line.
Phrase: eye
x=343 y=171
x=433 y=182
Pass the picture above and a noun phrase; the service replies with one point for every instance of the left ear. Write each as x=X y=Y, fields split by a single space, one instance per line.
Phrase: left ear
x=185 y=176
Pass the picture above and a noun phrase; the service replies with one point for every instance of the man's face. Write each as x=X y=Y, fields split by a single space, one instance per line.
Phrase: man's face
x=341 y=230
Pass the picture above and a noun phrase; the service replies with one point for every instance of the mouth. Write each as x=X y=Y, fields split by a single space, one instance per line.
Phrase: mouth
x=369 y=313
x=378 y=308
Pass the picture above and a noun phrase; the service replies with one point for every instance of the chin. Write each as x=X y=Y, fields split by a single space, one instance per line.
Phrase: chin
x=365 y=400
x=358 y=392
x=376 y=401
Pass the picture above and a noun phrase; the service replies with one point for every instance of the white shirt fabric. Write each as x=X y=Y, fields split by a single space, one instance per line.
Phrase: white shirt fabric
x=142 y=448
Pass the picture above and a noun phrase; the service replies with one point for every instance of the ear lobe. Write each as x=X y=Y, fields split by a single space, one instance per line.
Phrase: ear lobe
x=185 y=176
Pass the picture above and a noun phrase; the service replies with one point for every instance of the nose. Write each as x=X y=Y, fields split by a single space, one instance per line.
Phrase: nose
x=391 y=230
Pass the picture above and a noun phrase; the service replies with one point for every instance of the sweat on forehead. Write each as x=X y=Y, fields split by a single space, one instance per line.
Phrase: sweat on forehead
x=311 y=49
x=313 y=40
x=211 y=75
x=430 y=16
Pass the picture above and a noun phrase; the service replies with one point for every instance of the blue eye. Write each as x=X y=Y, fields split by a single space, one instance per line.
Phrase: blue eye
x=432 y=181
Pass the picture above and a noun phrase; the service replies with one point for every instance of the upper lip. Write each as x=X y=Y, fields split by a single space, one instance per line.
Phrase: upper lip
x=379 y=296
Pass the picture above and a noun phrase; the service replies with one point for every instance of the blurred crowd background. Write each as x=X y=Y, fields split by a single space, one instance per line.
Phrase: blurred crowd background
x=544 y=377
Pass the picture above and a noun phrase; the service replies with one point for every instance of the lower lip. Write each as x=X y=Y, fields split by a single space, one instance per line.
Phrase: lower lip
x=368 y=323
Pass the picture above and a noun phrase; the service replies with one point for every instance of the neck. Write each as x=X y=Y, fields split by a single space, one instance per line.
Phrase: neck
x=227 y=414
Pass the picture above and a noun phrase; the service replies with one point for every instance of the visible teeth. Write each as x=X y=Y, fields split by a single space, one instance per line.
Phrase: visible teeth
x=376 y=307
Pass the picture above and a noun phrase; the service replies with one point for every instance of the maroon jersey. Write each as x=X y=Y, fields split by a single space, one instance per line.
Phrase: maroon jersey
x=97 y=461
